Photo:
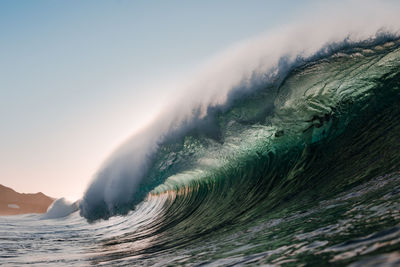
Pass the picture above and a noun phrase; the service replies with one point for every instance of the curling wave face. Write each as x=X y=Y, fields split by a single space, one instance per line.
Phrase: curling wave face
x=264 y=133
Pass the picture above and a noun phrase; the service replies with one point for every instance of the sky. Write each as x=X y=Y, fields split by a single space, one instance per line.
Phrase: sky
x=77 y=78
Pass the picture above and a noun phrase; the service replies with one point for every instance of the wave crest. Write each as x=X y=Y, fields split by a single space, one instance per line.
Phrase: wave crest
x=197 y=137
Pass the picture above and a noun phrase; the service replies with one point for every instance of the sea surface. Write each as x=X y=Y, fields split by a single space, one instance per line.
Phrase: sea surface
x=304 y=169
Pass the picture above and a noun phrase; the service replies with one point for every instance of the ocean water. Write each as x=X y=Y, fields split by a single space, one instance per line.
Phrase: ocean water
x=358 y=227
x=303 y=169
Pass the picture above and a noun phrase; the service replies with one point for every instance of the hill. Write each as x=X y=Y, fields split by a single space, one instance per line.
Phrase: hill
x=13 y=203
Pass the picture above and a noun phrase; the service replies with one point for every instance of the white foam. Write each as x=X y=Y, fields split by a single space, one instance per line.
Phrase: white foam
x=60 y=208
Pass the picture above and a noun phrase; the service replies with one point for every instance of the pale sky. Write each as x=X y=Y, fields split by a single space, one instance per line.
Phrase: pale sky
x=79 y=77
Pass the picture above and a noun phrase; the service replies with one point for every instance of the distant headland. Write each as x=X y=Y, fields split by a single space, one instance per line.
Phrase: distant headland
x=13 y=203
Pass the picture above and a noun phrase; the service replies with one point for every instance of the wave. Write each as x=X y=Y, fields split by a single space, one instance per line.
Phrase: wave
x=326 y=133
x=60 y=208
x=257 y=136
